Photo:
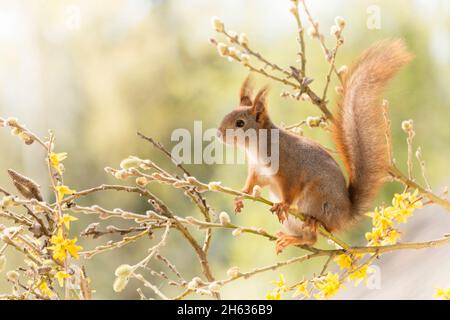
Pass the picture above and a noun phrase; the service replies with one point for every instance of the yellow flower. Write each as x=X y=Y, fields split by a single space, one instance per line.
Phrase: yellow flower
x=344 y=261
x=328 y=285
x=45 y=290
x=274 y=295
x=72 y=248
x=301 y=289
x=62 y=190
x=61 y=247
x=374 y=237
x=360 y=274
x=443 y=294
x=280 y=283
x=55 y=160
x=61 y=276
x=391 y=237
x=67 y=219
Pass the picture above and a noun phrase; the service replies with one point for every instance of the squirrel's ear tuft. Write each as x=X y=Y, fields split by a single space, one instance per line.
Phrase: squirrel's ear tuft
x=245 y=94
x=260 y=102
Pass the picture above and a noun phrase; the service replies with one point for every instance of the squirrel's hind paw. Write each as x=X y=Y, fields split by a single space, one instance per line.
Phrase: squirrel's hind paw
x=284 y=240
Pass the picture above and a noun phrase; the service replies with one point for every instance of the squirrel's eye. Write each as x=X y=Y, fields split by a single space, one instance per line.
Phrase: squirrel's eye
x=240 y=123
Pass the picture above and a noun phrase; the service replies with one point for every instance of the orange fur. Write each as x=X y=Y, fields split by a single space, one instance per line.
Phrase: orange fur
x=359 y=127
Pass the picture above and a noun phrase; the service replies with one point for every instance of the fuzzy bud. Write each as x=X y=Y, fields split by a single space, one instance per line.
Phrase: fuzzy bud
x=335 y=31
x=193 y=284
x=214 y=287
x=407 y=125
x=233 y=272
x=217 y=24
x=245 y=58
x=224 y=218
x=130 y=162
x=340 y=22
x=124 y=270
x=7 y=202
x=12 y=275
x=12 y=122
x=121 y=174
x=120 y=284
x=25 y=137
x=222 y=48
x=305 y=97
x=312 y=32
x=233 y=52
x=342 y=70
x=237 y=232
x=313 y=122
x=142 y=181
x=297 y=131
x=15 y=131
x=214 y=185
x=243 y=40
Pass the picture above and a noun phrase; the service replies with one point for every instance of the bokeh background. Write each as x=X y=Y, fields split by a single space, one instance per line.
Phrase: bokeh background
x=97 y=71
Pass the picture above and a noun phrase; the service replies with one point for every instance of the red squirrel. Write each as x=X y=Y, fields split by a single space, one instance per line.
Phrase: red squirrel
x=308 y=177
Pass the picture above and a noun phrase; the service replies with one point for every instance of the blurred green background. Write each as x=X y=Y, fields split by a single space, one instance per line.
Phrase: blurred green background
x=97 y=71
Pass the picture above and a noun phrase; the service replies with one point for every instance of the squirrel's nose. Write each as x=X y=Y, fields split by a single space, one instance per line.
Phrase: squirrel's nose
x=219 y=133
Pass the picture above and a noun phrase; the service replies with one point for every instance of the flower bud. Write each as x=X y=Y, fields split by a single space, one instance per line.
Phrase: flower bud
x=243 y=40
x=12 y=275
x=130 y=162
x=222 y=48
x=224 y=218
x=335 y=31
x=312 y=32
x=214 y=185
x=142 y=181
x=123 y=270
x=217 y=24
x=193 y=284
x=305 y=97
x=407 y=125
x=340 y=22
x=313 y=122
x=25 y=137
x=15 y=131
x=121 y=174
x=237 y=232
x=12 y=121
x=214 y=287
x=233 y=52
x=245 y=58
x=233 y=272
x=120 y=284
x=7 y=202
x=342 y=70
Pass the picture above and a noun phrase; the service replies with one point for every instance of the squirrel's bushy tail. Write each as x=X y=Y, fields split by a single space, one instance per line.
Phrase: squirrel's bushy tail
x=359 y=126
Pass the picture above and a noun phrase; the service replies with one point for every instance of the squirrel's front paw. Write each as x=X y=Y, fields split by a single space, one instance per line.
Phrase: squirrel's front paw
x=281 y=210
x=238 y=204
